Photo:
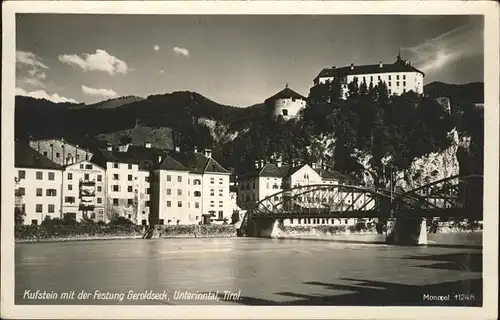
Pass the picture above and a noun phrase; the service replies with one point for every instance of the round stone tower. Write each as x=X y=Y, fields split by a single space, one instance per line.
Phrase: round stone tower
x=286 y=103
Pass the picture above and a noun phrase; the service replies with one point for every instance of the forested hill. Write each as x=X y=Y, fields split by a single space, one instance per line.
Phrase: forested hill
x=368 y=121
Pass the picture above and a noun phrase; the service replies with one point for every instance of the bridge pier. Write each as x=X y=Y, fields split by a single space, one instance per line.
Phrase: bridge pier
x=263 y=228
x=407 y=230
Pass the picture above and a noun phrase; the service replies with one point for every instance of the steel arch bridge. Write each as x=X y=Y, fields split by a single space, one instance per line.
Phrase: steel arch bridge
x=457 y=196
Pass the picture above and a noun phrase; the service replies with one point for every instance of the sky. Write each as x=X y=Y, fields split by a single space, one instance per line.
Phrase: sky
x=236 y=60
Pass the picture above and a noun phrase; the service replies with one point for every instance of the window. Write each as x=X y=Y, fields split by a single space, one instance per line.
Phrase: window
x=221 y=204
x=129 y=188
x=69 y=199
x=221 y=181
x=86 y=177
x=77 y=156
x=267 y=185
x=397 y=77
x=179 y=192
x=129 y=177
x=397 y=83
x=116 y=176
x=285 y=112
x=404 y=77
x=169 y=192
x=212 y=180
x=58 y=154
x=21 y=192
x=21 y=174
x=389 y=78
x=115 y=165
x=196 y=182
x=70 y=187
x=179 y=204
x=169 y=178
x=130 y=167
x=81 y=166
x=196 y=205
x=115 y=202
x=39 y=192
x=371 y=78
x=404 y=83
x=115 y=188
x=99 y=200
x=99 y=177
x=70 y=176
x=88 y=166
x=99 y=189
x=390 y=84
x=39 y=208
x=221 y=193
x=379 y=78
x=197 y=194
x=39 y=175
x=51 y=175
x=179 y=178
x=51 y=208
x=130 y=202
x=221 y=215
x=51 y=192
x=169 y=204
x=148 y=191
x=45 y=153
x=212 y=192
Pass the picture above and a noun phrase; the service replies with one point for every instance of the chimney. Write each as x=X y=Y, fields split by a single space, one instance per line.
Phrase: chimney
x=109 y=148
x=159 y=159
x=262 y=163
x=195 y=149
x=313 y=165
x=177 y=149
x=208 y=153
x=278 y=162
x=257 y=164
x=380 y=64
x=334 y=67
x=147 y=145
x=352 y=66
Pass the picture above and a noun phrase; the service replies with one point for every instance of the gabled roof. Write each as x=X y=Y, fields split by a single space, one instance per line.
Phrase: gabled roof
x=285 y=94
x=197 y=163
x=27 y=157
x=80 y=162
x=273 y=171
x=144 y=159
x=172 y=165
x=333 y=175
x=398 y=66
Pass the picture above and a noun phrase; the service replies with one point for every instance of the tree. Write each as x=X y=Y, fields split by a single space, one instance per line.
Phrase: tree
x=19 y=215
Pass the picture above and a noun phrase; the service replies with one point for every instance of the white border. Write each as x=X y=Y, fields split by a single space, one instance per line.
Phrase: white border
x=490 y=9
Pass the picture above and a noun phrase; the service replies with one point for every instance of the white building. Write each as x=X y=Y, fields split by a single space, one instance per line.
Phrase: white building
x=286 y=103
x=60 y=151
x=400 y=76
x=191 y=188
x=37 y=185
x=84 y=191
x=269 y=179
x=127 y=183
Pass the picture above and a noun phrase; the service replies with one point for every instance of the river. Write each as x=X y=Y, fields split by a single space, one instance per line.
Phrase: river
x=345 y=270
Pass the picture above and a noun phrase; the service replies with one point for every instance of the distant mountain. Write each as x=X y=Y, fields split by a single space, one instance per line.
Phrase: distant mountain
x=459 y=94
x=110 y=103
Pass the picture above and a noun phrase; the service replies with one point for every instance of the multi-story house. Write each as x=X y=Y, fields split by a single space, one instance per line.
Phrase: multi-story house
x=191 y=187
x=127 y=183
x=37 y=185
x=60 y=151
x=84 y=191
x=400 y=76
x=271 y=179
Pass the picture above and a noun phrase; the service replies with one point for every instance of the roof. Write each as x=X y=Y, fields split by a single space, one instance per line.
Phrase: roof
x=273 y=171
x=172 y=165
x=146 y=160
x=398 y=66
x=285 y=94
x=332 y=175
x=196 y=162
x=27 y=157
x=63 y=141
x=80 y=162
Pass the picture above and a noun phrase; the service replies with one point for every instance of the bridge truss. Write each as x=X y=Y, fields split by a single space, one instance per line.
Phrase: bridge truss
x=458 y=196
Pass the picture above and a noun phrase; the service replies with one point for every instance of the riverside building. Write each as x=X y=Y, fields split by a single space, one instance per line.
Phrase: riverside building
x=37 y=185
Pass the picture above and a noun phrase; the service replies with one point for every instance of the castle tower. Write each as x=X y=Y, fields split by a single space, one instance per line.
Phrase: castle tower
x=286 y=103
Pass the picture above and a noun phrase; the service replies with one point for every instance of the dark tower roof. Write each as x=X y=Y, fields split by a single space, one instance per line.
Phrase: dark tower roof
x=286 y=93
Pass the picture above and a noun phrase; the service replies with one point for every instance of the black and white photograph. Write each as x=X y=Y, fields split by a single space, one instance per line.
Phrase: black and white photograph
x=189 y=155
